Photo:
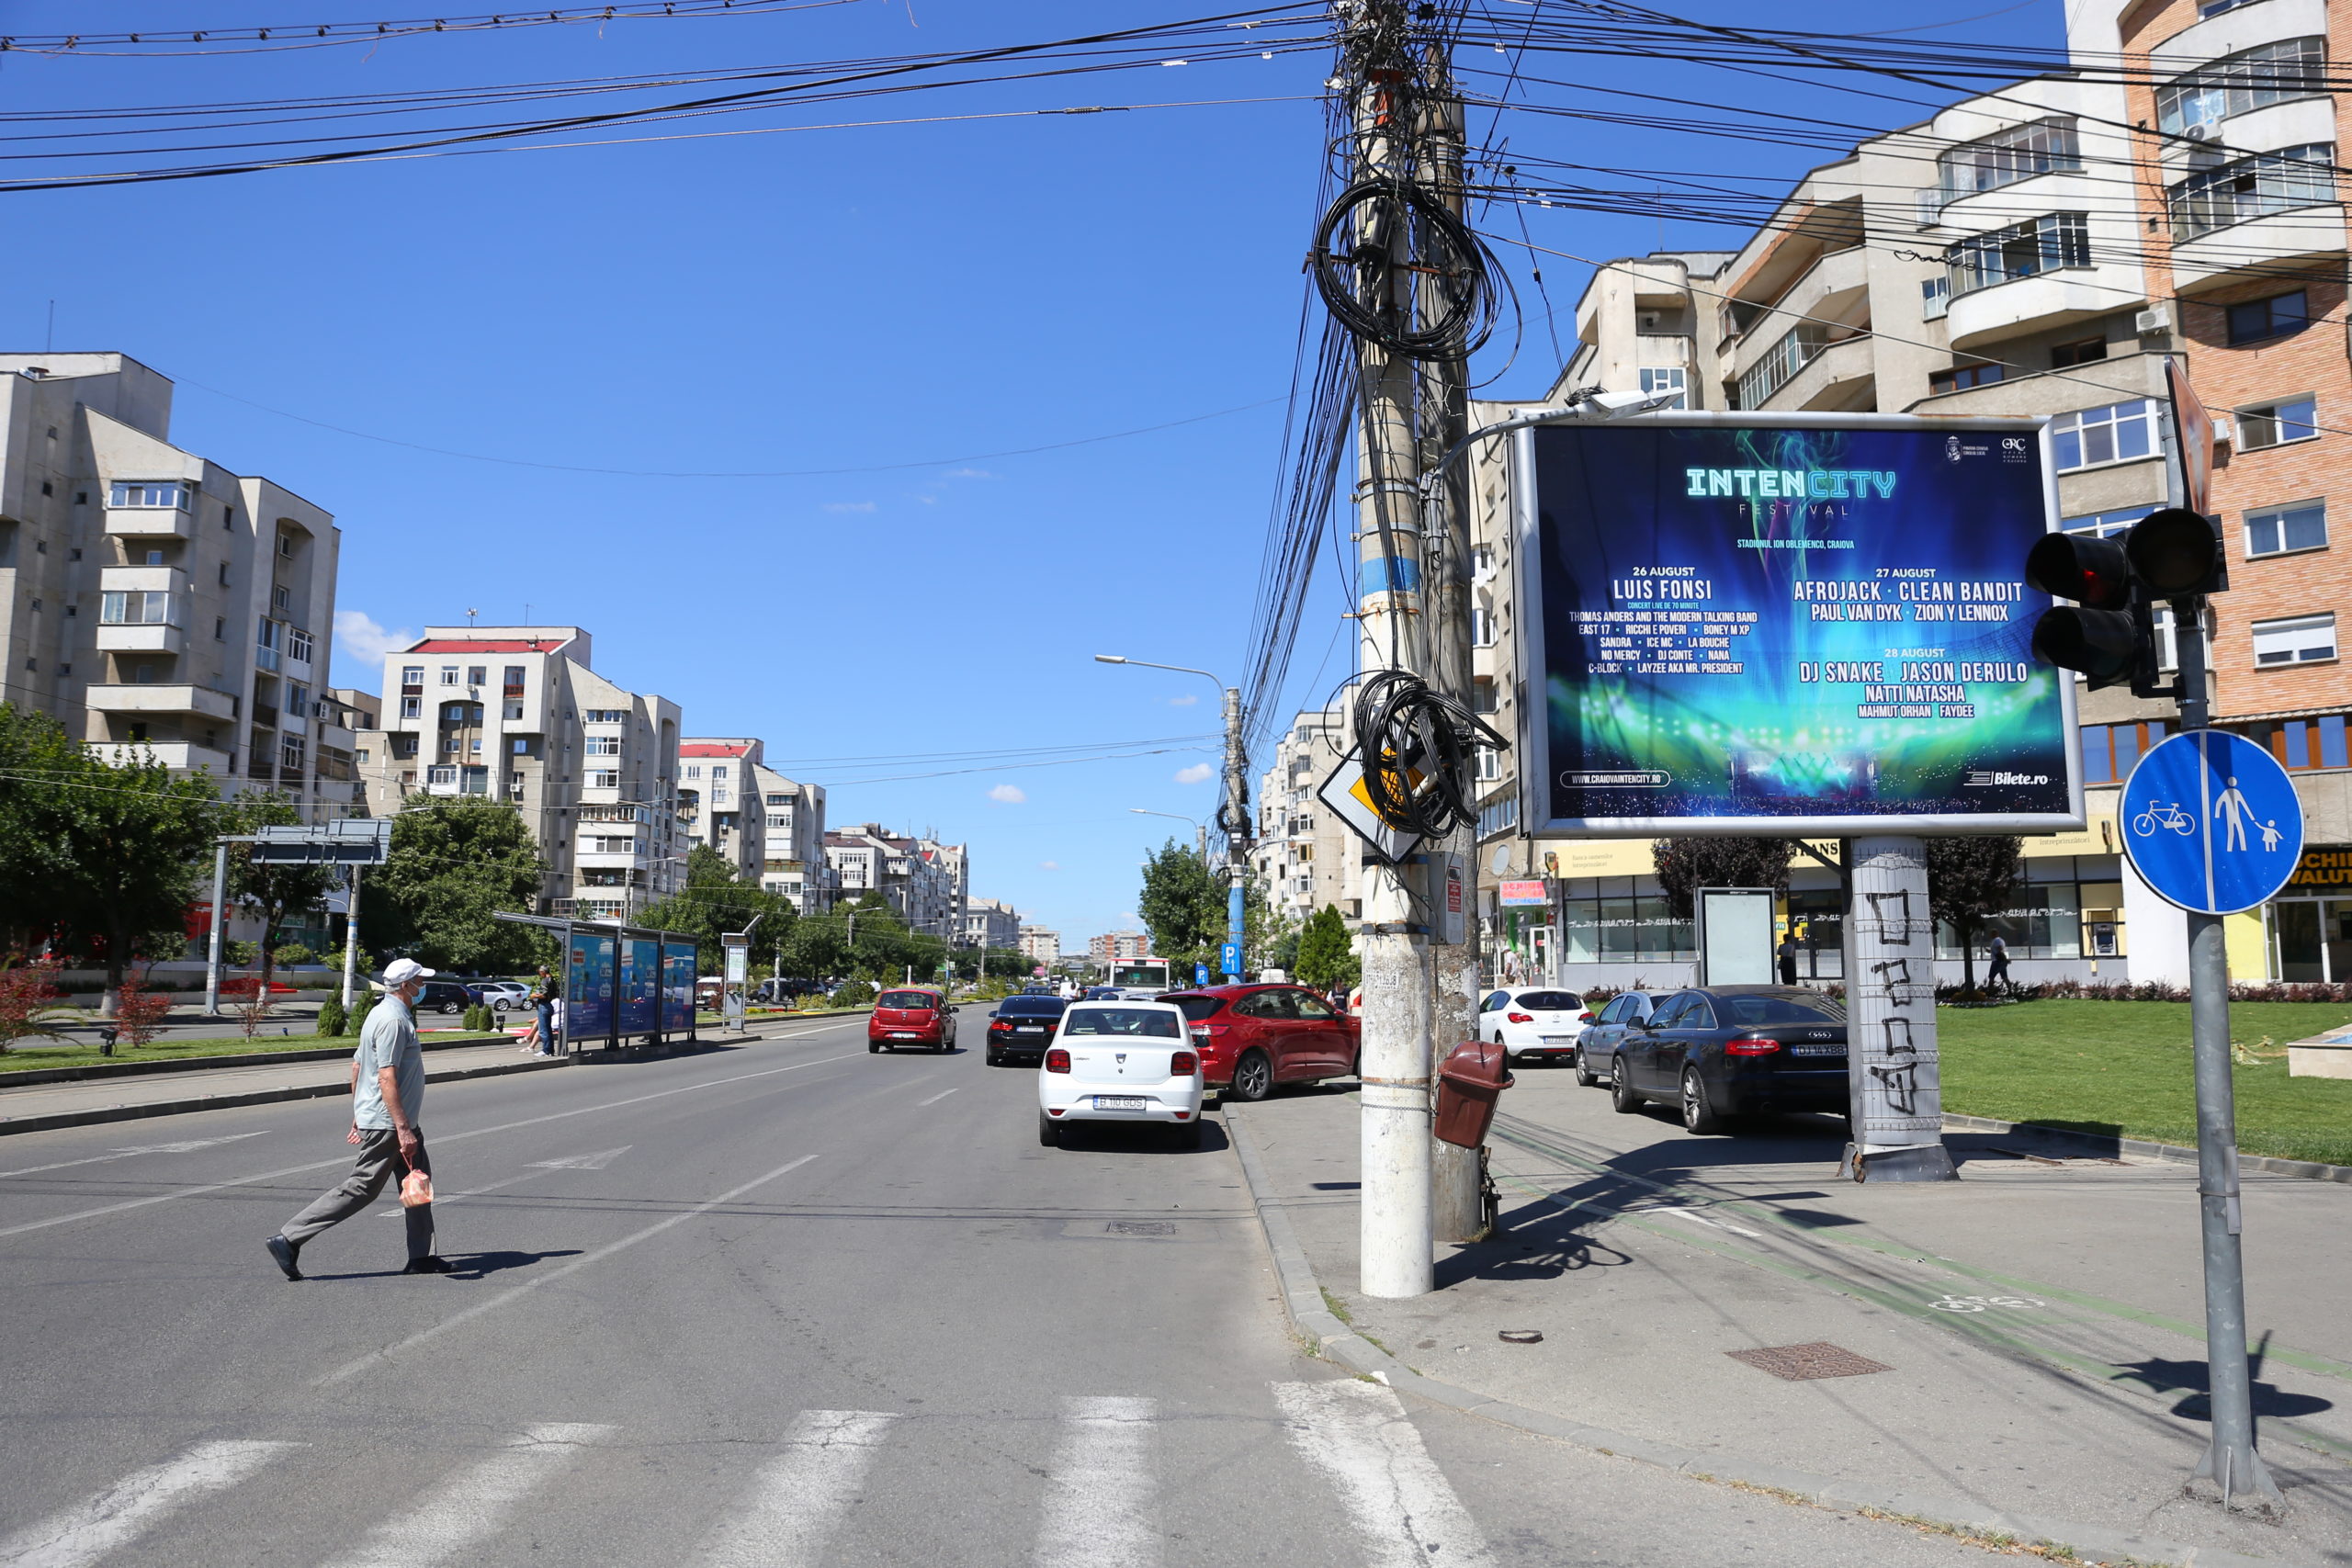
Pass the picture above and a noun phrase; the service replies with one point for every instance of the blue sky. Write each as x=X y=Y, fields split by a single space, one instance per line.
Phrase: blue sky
x=907 y=296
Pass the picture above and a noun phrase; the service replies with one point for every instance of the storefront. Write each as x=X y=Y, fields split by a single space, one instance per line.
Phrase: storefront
x=2310 y=923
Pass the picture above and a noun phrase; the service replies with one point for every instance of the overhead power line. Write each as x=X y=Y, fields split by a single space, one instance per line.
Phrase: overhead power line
x=322 y=35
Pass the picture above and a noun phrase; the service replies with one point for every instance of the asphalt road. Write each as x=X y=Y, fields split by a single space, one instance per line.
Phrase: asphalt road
x=791 y=1304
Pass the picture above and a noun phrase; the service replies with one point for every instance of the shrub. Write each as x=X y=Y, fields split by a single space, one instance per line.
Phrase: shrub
x=31 y=1006
x=854 y=994
x=332 y=1019
x=239 y=955
x=138 y=1013
x=293 y=953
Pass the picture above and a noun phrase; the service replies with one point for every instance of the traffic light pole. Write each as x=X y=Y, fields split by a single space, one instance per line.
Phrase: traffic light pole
x=2230 y=1462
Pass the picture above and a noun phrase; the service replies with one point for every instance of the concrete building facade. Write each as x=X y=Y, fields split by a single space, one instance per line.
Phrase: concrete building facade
x=991 y=923
x=1303 y=857
x=924 y=881
x=718 y=804
x=1041 y=946
x=792 y=819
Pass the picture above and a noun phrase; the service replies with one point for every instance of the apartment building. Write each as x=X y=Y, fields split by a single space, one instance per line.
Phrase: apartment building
x=718 y=804
x=2039 y=251
x=148 y=597
x=991 y=923
x=924 y=881
x=1303 y=857
x=792 y=819
x=1113 y=947
x=517 y=714
x=1041 y=946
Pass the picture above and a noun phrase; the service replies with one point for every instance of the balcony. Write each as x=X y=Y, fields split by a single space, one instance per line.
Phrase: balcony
x=167 y=579
x=177 y=698
x=1834 y=289
x=2055 y=391
x=180 y=756
x=149 y=523
x=2266 y=246
x=146 y=638
x=1804 y=370
x=2029 y=304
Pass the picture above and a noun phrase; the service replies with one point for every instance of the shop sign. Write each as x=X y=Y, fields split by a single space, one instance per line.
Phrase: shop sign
x=2325 y=867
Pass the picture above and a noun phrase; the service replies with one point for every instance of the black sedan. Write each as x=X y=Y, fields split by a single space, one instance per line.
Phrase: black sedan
x=1022 y=1026
x=1733 y=1051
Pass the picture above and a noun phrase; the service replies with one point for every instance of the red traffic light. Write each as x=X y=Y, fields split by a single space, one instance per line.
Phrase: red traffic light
x=2093 y=572
x=2177 y=552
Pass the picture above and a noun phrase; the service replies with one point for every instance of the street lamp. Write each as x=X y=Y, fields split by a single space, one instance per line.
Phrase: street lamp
x=1236 y=814
x=1199 y=828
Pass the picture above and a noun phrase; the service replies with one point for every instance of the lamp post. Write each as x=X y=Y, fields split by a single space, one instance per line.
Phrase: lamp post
x=1199 y=829
x=1235 y=815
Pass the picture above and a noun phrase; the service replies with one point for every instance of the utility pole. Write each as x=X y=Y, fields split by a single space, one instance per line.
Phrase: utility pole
x=1237 y=834
x=350 y=935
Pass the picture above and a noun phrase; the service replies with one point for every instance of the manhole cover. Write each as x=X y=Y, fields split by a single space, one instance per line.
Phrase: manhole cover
x=1141 y=1228
x=1798 y=1363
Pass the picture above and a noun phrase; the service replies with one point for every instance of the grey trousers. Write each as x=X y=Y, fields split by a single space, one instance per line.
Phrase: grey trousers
x=379 y=1161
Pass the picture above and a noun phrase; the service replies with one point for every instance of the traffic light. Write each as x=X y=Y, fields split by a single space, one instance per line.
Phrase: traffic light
x=2110 y=631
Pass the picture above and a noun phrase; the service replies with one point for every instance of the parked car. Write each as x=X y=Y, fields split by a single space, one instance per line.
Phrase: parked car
x=911 y=1015
x=1254 y=1037
x=1121 y=1062
x=1734 y=1051
x=1533 y=1023
x=499 y=995
x=445 y=996
x=1022 y=1026
x=1601 y=1037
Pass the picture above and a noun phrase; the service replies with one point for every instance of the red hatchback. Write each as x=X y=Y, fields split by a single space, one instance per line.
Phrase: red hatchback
x=911 y=1016
x=1252 y=1037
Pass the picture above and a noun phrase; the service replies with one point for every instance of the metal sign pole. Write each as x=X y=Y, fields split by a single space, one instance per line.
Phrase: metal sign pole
x=212 y=940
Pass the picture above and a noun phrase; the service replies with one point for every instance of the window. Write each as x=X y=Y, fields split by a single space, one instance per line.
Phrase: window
x=1658 y=378
x=2303 y=742
x=2117 y=433
x=298 y=644
x=2252 y=79
x=441 y=774
x=2254 y=320
x=1482 y=694
x=1935 y=298
x=289 y=753
x=693 y=769
x=284 y=544
x=2275 y=424
x=522 y=744
x=2022 y=250
x=1797 y=348
x=477 y=674
x=600 y=778
x=413 y=675
x=2104 y=524
x=605 y=715
x=225 y=574
x=2006 y=156
x=148 y=492
x=1960 y=377
x=2285 y=528
x=513 y=677
x=512 y=710
x=779 y=800
x=1482 y=627
x=150 y=607
x=2088 y=351
x=604 y=746
x=2299 y=639
x=2110 y=749
x=412 y=707
x=449 y=674
x=220 y=628
x=2252 y=188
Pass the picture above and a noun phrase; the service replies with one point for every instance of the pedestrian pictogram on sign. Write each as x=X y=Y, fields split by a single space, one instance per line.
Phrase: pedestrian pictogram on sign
x=2212 y=822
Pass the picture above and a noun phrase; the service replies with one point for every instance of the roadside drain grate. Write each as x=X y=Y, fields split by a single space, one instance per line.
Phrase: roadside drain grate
x=1800 y=1363
x=1140 y=1227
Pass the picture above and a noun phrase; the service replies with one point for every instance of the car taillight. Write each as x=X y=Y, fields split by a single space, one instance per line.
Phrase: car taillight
x=1585 y=1017
x=1520 y=1016
x=1003 y=1025
x=1183 y=1064
x=1057 y=1060
x=1751 y=1046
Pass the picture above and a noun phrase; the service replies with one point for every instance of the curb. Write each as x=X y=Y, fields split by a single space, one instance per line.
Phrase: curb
x=32 y=1077
x=251 y=1097
x=1304 y=1305
x=2310 y=1170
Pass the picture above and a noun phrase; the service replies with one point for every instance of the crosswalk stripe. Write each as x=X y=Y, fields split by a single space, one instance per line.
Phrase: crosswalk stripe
x=86 y=1533
x=466 y=1509
x=802 y=1493
x=1101 y=1489
x=1359 y=1437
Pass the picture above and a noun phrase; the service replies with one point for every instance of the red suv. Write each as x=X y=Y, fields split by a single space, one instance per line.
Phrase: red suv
x=911 y=1016
x=1252 y=1037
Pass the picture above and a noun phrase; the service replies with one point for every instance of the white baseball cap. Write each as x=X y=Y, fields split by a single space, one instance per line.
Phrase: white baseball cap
x=401 y=971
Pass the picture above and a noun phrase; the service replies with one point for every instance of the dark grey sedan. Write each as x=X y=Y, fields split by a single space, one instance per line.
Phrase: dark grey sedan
x=1606 y=1032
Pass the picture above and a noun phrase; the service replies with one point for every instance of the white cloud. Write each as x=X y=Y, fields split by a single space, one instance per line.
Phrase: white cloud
x=1199 y=772
x=360 y=645
x=969 y=474
x=848 y=506
x=1007 y=794
x=1187 y=700
x=1049 y=865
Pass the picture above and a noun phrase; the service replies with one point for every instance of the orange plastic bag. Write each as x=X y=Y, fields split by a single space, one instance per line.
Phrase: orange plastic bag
x=416 y=1189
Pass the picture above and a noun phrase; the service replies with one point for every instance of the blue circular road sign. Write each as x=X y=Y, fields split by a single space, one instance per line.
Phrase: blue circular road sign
x=2211 y=822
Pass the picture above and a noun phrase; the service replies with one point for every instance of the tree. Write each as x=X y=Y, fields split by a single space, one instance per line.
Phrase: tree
x=1685 y=865
x=40 y=767
x=1325 y=954
x=135 y=839
x=1182 y=905
x=1269 y=935
x=716 y=900
x=1969 y=881
x=276 y=891
x=454 y=864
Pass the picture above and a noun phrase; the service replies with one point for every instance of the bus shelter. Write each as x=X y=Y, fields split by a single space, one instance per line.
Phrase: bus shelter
x=622 y=984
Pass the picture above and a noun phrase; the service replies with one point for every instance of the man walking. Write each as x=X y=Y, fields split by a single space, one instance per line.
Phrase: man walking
x=1998 y=973
x=387 y=1092
x=1789 y=959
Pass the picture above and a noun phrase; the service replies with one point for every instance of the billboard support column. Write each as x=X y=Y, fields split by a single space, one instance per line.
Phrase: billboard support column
x=1897 y=1109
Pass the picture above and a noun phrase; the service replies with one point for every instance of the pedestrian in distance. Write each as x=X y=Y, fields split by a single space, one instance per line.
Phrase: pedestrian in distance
x=543 y=1003
x=1998 y=973
x=387 y=1094
x=1789 y=960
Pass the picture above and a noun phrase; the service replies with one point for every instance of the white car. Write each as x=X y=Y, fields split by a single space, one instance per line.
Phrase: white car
x=1533 y=1022
x=502 y=995
x=1121 y=1061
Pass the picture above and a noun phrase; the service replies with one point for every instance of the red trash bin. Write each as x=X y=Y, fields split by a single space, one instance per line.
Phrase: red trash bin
x=1470 y=1081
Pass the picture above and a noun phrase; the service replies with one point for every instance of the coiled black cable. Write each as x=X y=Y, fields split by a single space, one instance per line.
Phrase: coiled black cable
x=1363 y=288
x=1406 y=728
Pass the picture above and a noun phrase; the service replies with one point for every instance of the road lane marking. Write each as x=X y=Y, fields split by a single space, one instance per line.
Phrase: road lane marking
x=596 y=1161
x=1102 y=1487
x=119 y=1515
x=1357 y=1437
x=438 y=1139
x=350 y=1369
x=936 y=1098
x=180 y=1148
x=801 y=1495
x=464 y=1511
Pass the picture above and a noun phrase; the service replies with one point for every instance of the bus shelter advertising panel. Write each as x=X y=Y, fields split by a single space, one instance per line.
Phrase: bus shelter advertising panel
x=1801 y=623
x=678 y=987
x=640 y=982
x=588 y=999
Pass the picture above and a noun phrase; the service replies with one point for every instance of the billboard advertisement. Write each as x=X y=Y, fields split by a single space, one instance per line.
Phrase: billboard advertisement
x=1802 y=624
x=678 y=983
x=588 y=995
x=641 y=985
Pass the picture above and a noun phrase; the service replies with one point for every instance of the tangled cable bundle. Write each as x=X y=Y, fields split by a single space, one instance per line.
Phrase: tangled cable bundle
x=1406 y=729
x=1361 y=287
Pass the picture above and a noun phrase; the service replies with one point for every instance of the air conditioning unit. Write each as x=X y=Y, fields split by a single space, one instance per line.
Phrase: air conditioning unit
x=2198 y=133
x=2155 y=319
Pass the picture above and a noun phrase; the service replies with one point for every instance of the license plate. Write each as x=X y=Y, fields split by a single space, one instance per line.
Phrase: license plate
x=1816 y=1050
x=1559 y=1039
x=1119 y=1102
x=1030 y=1029
x=902 y=1034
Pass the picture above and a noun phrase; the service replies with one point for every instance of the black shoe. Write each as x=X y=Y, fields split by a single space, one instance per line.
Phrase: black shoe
x=283 y=1252
x=429 y=1264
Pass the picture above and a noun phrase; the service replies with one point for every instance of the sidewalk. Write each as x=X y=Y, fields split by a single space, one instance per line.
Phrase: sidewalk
x=2033 y=1333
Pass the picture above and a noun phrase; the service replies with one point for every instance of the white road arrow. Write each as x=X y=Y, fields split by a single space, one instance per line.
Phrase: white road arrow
x=584 y=1162
x=179 y=1148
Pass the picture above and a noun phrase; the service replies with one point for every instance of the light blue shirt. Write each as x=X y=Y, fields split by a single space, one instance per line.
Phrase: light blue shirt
x=388 y=1039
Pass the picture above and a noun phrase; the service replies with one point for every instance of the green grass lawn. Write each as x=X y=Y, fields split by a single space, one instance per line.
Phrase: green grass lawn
x=2123 y=1067
x=24 y=1058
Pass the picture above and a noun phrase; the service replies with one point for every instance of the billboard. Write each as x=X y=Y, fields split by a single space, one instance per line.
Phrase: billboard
x=640 y=985
x=588 y=1001
x=1802 y=624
